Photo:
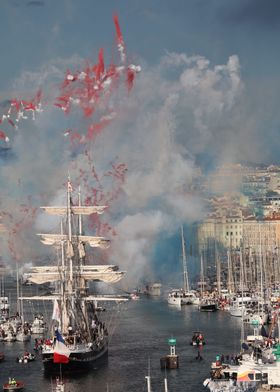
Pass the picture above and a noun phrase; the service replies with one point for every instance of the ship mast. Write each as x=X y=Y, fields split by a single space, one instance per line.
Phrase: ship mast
x=218 y=269
x=80 y=215
x=72 y=273
x=69 y=255
x=185 y=271
x=64 y=316
x=201 y=275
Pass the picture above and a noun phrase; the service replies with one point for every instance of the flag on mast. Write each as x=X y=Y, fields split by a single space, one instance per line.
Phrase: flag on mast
x=56 y=311
x=61 y=352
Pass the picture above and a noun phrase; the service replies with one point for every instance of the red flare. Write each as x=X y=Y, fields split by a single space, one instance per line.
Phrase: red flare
x=88 y=111
x=118 y=30
x=11 y=122
x=130 y=76
x=2 y=135
x=95 y=129
x=28 y=105
x=16 y=104
x=99 y=68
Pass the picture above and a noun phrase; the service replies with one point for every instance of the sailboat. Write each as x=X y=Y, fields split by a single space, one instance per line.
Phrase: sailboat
x=183 y=296
x=22 y=330
x=80 y=338
x=206 y=304
x=4 y=302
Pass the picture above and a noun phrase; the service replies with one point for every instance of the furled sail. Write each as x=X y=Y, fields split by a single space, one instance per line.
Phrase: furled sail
x=97 y=273
x=94 y=242
x=76 y=210
x=69 y=250
x=106 y=273
x=81 y=250
x=42 y=275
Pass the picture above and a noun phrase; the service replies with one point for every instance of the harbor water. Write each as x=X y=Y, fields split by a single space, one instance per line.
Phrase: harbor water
x=141 y=332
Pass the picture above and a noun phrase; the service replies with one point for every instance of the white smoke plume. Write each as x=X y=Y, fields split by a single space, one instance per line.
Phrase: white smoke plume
x=179 y=108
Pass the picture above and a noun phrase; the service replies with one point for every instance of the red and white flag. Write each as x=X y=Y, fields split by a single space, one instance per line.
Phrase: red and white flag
x=61 y=352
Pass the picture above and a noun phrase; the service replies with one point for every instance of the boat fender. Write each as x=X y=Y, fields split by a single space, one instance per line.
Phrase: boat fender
x=206 y=382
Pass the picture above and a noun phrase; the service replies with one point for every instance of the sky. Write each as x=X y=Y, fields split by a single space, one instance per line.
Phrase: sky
x=207 y=94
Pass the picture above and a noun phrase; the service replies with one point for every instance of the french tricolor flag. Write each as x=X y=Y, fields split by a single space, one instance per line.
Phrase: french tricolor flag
x=61 y=351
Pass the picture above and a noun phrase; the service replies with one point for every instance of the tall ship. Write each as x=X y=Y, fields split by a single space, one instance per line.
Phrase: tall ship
x=183 y=296
x=79 y=338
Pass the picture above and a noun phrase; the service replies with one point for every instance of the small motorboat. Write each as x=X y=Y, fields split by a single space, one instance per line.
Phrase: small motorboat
x=13 y=385
x=207 y=305
x=9 y=336
x=25 y=357
x=22 y=336
x=197 y=339
x=38 y=326
x=134 y=296
x=2 y=357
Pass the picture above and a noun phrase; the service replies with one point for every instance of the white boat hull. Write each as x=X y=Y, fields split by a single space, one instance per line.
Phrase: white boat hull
x=21 y=337
x=174 y=301
x=9 y=338
x=38 y=330
x=237 y=312
x=179 y=297
x=256 y=319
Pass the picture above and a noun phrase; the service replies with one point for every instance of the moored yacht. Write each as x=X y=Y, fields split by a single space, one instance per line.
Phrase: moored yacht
x=180 y=297
x=183 y=296
x=208 y=305
x=238 y=305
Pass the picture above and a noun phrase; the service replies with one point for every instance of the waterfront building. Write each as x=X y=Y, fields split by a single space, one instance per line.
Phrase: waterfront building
x=244 y=219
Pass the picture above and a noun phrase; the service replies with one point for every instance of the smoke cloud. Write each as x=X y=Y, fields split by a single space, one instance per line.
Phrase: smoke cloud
x=180 y=109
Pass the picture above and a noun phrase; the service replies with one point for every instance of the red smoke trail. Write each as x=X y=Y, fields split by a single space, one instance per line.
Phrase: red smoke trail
x=97 y=191
x=89 y=89
x=118 y=30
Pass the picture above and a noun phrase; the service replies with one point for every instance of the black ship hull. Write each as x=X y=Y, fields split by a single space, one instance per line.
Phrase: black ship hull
x=78 y=362
x=208 y=308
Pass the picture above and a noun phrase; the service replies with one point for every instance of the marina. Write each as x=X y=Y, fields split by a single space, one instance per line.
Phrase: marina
x=141 y=336
x=71 y=334
x=140 y=196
